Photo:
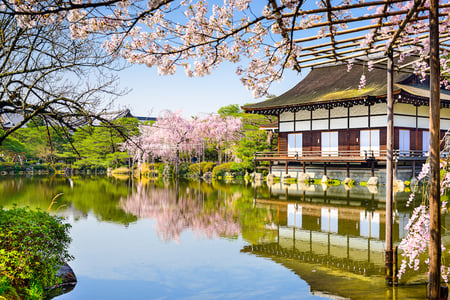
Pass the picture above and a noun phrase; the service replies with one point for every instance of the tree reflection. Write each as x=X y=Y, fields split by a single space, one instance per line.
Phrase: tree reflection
x=176 y=212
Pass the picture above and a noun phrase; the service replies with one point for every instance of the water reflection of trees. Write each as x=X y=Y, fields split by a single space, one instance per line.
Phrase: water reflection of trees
x=176 y=211
x=81 y=196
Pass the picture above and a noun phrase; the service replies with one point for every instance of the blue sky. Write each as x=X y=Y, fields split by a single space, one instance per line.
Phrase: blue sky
x=152 y=94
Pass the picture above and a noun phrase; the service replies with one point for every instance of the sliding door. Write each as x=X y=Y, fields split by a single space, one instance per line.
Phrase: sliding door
x=403 y=145
x=370 y=142
x=330 y=143
x=295 y=144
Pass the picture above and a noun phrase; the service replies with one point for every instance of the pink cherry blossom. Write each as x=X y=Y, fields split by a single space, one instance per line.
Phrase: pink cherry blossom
x=199 y=36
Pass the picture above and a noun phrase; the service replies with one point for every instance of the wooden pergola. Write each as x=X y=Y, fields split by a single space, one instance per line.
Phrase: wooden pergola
x=348 y=34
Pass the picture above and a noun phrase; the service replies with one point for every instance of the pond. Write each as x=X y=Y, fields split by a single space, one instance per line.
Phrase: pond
x=196 y=240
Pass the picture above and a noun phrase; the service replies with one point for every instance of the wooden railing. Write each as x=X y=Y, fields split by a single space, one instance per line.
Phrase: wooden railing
x=356 y=154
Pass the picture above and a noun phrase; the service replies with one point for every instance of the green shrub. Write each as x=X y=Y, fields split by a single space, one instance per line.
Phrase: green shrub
x=43 y=166
x=206 y=166
x=59 y=166
x=6 y=166
x=183 y=169
x=236 y=169
x=220 y=170
x=193 y=169
x=32 y=246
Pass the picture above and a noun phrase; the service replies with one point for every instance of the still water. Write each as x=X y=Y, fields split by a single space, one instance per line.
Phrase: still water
x=197 y=240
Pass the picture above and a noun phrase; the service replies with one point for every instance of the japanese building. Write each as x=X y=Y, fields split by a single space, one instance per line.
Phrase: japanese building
x=329 y=118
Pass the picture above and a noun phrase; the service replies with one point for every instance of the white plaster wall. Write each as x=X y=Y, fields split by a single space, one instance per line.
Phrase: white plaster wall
x=338 y=112
x=302 y=125
x=445 y=124
x=288 y=126
x=378 y=108
x=359 y=110
x=404 y=109
x=424 y=123
x=378 y=121
x=320 y=124
x=303 y=115
x=340 y=123
x=404 y=121
x=359 y=122
x=287 y=116
x=320 y=113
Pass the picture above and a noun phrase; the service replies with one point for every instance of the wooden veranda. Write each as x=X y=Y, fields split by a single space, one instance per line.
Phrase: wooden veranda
x=369 y=159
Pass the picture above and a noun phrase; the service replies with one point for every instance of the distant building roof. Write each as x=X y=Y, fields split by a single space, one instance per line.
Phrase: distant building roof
x=127 y=114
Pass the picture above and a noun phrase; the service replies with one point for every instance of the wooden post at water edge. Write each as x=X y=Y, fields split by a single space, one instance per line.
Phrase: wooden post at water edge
x=389 y=170
x=434 y=196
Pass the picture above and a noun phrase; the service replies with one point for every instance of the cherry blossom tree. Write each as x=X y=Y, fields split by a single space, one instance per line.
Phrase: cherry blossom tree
x=173 y=136
x=168 y=138
x=219 y=131
x=415 y=244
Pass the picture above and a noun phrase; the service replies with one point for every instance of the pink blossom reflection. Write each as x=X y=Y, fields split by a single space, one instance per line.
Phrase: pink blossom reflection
x=175 y=213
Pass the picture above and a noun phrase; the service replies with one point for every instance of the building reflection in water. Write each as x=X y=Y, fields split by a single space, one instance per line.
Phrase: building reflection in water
x=333 y=229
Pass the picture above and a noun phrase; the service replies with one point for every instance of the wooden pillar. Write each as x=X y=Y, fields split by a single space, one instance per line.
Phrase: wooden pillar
x=311 y=132
x=389 y=170
x=287 y=167
x=396 y=168
x=435 y=212
x=324 y=168
x=417 y=130
x=348 y=170
x=304 y=167
x=348 y=132
x=270 y=167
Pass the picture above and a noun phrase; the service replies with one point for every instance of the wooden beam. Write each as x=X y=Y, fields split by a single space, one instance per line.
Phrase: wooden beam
x=360 y=29
x=404 y=22
x=355 y=43
x=434 y=184
x=343 y=7
x=330 y=26
x=371 y=17
x=360 y=52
